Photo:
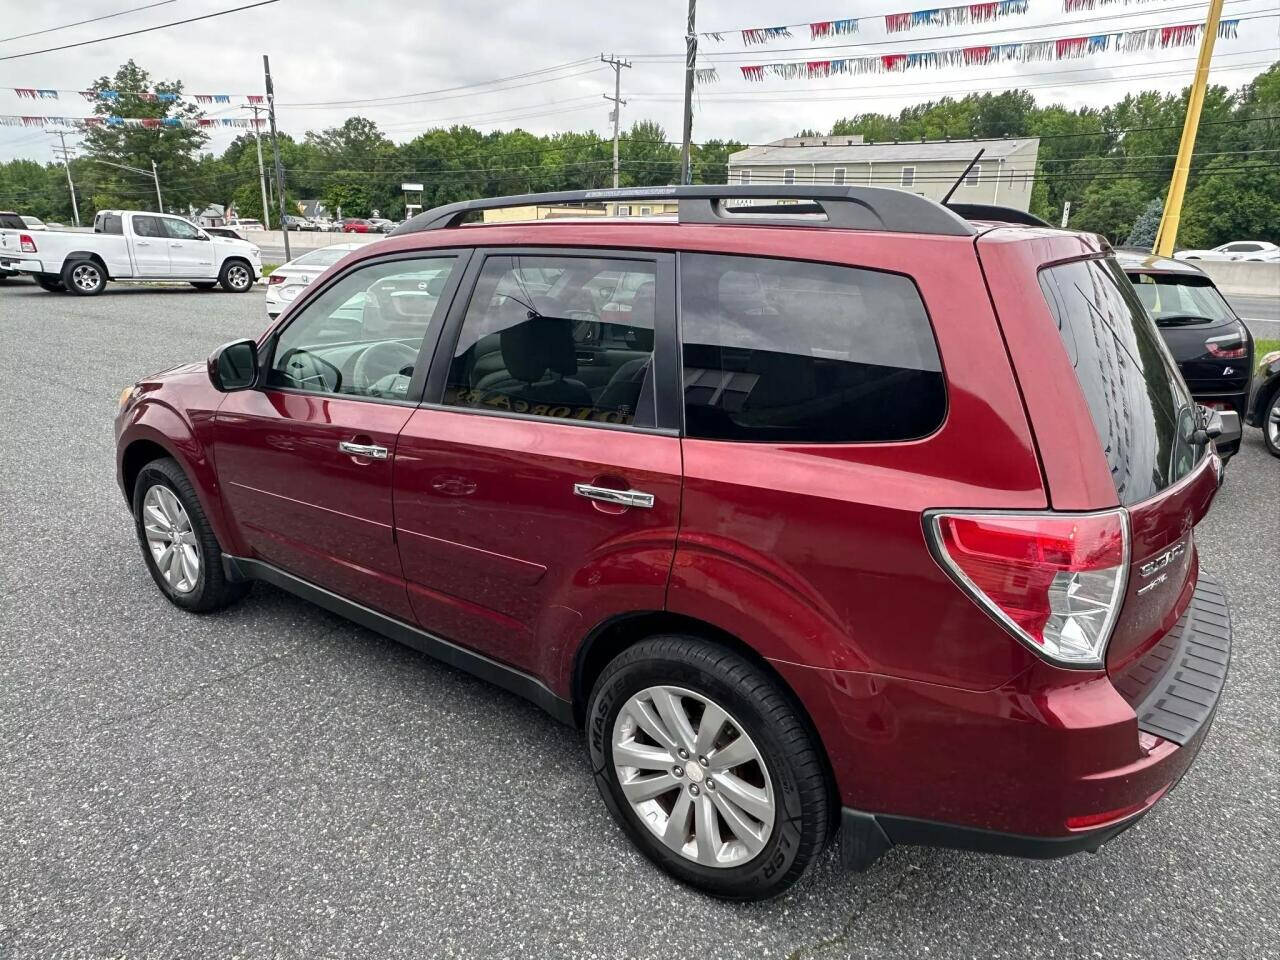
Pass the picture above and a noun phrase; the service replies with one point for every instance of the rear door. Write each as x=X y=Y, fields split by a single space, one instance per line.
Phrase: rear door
x=529 y=504
x=190 y=251
x=150 y=246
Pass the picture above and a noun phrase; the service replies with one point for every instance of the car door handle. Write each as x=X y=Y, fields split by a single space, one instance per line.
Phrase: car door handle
x=143 y=243
x=623 y=498
x=370 y=450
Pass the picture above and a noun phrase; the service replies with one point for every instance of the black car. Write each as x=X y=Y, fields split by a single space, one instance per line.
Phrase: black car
x=1264 y=404
x=1213 y=348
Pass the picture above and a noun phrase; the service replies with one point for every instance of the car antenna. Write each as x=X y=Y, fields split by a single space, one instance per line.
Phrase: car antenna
x=959 y=180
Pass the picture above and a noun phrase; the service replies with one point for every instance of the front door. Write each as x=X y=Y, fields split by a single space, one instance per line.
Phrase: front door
x=306 y=462
x=190 y=251
x=150 y=246
x=531 y=502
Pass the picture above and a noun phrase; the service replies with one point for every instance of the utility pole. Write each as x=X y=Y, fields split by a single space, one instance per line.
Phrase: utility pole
x=618 y=104
x=691 y=56
x=262 y=173
x=65 y=154
x=275 y=150
x=155 y=175
x=1167 y=234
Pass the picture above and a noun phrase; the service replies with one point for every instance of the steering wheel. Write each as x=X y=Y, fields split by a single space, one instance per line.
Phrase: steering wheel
x=380 y=369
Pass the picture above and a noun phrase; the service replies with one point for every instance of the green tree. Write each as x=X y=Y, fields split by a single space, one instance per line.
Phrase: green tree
x=1232 y=200
x=1145 y=227
x=1110 y=207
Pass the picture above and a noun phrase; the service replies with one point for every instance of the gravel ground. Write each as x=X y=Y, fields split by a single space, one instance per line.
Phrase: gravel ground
x=272 y=781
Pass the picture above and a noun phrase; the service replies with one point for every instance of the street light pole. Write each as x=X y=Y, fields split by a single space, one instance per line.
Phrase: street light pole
x=155 y=175
x=262 y=173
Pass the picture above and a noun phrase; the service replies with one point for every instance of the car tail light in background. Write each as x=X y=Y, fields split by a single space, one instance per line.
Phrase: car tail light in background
x=1056 y=581
x=275 y=278
x=26 y=244
x=1229 y=347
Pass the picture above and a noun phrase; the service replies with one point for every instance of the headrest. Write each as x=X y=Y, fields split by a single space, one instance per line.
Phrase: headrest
x=531 y=348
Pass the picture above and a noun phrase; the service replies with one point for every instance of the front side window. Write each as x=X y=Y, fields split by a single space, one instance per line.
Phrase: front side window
x=566 y=338
x=362 y=336
x=792 y=352
x=180 y=229
x=148 y=227
x=908 y=176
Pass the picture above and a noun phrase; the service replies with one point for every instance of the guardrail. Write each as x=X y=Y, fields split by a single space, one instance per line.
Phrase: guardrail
x=1243 y=279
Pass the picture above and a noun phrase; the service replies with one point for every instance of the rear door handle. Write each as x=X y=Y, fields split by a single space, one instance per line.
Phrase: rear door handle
x=623 y=498
x=370 y=450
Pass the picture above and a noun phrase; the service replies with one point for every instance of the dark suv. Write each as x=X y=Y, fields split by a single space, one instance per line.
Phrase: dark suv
x=839 y=514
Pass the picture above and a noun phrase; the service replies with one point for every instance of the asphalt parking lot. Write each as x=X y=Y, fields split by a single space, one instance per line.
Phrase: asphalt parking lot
x=272 y=781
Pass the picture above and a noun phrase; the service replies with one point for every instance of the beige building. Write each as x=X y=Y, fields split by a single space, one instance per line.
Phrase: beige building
x=1003 y=176
x=642 y=208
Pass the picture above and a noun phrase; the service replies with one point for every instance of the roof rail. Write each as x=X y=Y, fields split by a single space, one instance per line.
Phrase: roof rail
x=849 y=208
x=999 y=214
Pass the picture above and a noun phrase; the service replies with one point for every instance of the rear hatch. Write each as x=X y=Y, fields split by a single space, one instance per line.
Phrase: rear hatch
x=1147 y=425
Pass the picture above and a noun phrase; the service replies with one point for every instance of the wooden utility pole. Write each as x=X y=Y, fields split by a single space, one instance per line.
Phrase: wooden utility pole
x=691 y=56
x=275 y=149
x=262 y=173
x=1167 y=234
x=65 y=155
x=618 y=103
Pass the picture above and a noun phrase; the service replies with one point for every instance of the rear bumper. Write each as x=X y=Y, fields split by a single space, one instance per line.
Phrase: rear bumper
x=25 y=264
x=1024 y=771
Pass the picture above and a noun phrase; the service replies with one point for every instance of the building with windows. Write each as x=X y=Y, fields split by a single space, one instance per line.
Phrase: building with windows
x=1003 y=176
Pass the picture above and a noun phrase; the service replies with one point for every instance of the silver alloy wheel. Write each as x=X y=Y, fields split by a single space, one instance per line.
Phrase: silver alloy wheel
x=238 y=276
x=1273 y=422
x=170 y=539
x=693 y=776
x=86 y=278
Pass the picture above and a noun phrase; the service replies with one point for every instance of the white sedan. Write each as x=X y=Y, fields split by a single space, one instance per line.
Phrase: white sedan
x=1259 y=250
x=290 y=279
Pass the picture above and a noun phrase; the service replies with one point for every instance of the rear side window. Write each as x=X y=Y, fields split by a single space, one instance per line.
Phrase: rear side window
x=110 y=223
x=788 y=351
x=1139 y=405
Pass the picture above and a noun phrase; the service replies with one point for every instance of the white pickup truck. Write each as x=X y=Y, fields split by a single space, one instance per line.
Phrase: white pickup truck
x=131 y=245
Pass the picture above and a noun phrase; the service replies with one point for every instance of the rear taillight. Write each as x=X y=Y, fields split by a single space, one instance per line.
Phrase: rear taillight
x=275 y=278
x=26 y=243
x=1230 y=347
x=1055 y=581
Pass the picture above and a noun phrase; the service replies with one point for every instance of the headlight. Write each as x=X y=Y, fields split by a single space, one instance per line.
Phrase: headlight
x=126 y=396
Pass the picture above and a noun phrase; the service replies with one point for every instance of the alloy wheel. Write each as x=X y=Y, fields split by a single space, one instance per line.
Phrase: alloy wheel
x=171 y=539
x=238 y=277
x=693 y=776
x=1273 y=423
x=86 y=278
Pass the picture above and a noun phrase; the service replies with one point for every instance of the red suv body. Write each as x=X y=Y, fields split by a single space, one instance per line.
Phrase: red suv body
x=920 y=500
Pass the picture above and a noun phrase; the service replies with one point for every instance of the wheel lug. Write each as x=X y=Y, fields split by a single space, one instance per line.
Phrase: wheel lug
x=677 y=771
x=703 y=761
x=693 y=789
x=684 y=754
x=711 y=784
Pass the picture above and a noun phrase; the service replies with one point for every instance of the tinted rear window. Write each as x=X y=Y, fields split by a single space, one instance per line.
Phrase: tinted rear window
x=789 y=351
x=1140 y=407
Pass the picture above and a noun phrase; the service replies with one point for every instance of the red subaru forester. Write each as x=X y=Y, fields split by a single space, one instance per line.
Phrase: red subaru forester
x=821 y=509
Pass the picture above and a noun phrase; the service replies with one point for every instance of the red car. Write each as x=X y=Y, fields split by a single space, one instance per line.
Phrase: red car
x=357 y=225
x=843 y=516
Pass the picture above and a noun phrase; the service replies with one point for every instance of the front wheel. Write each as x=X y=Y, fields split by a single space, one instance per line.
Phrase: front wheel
x=84 y=278
x=236 y=277
x=1271 y=425
x=708 y=767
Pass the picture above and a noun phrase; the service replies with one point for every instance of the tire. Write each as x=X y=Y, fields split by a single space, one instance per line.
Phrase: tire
x=209 y=589
x=1271 y=424
x=48 y=281
x=786 y=767
x=236 y=277
x=204 y=284
x=84 y=278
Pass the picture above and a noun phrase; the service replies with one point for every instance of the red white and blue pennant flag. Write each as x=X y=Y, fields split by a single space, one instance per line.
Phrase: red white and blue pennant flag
x=150 y=96
x=1071 y=6
x=1066 y=48
x=18 y=120
x=958 y=15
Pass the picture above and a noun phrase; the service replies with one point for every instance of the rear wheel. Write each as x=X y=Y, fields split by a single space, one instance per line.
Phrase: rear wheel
x=236 y=277
x=1271 y=425
x=84 y=278
x=50 y=282
x=707 y=766
x=179 y=547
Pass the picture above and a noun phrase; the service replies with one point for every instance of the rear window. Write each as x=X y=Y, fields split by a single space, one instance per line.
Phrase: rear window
x=324 y=257
x=1176 y=299
x=796 y=352
x=1140 y=407
x=11 y=221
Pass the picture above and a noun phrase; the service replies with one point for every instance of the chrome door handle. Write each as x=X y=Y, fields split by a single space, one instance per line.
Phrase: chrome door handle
x=623 y=498
x=370 y=450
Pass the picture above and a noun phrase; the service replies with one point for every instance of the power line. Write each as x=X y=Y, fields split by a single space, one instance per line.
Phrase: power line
x=132 y=33
x=80 y=23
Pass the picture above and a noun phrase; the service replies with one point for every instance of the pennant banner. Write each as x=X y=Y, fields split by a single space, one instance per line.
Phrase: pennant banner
x=149 y=96
x=19 y=120
x=1071 y=6
x=961 y=15
x=1069 y=48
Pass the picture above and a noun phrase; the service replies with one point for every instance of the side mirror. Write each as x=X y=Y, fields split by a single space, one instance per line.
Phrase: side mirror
x=234 y=366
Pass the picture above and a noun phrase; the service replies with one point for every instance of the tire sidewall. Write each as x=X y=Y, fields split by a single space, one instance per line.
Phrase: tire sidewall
x=767 y=869
x=150 y=476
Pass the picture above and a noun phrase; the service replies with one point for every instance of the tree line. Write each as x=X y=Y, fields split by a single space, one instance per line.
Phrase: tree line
x=1112 y=163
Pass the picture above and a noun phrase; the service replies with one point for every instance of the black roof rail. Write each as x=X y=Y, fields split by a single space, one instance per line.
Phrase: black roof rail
x=998 y=214
x=850 y=208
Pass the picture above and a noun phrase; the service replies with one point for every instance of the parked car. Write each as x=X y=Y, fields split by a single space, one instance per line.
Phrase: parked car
x=9 y=221
x=244 y=223
x=1236 y=250
x=324 y=224
x=381 y=225
x=225 y=232
x=131 y=245
x=357 y=225
x=298 y=223
x=1212 y=347
x=290 y=279
x=859 y=513
x=1264 y=405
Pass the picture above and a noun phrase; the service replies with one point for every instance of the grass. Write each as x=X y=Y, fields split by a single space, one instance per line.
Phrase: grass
x=1263 y=347
x=268 y=268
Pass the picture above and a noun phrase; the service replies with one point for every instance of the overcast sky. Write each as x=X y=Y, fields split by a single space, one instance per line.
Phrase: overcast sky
x=332 y=50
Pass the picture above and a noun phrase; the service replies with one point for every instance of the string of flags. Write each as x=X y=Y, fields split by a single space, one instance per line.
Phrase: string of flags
x=1067 y=48
x=1071 y=6
x=36 y=93
x=961 y=14
x=19 y=120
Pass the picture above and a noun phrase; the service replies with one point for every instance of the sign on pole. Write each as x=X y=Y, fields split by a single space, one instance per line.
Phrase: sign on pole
x=1066 y=212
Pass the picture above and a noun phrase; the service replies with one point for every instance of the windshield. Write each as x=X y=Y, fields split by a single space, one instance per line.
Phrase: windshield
x=1174 y=298
x=324 y=257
